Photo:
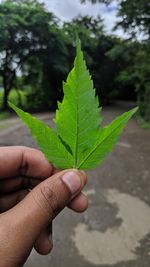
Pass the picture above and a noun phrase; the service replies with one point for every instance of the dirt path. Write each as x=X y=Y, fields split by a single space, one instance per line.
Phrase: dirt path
x=115 y=231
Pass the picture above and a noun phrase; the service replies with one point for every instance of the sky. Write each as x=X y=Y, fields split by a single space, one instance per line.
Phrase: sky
x=68 y=9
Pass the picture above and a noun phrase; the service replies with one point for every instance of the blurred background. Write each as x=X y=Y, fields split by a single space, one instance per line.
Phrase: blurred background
x=37 y=49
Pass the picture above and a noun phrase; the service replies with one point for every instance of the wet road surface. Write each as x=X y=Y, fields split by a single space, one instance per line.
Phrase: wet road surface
x=115 y=230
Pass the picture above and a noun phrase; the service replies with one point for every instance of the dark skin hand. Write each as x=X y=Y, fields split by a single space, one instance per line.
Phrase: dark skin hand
x=26 y=215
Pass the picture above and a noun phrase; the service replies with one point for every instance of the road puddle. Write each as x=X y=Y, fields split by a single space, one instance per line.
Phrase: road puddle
x=118 y=243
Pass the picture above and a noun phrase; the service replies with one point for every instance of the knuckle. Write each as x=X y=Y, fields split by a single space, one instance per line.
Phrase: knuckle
x=47 y=199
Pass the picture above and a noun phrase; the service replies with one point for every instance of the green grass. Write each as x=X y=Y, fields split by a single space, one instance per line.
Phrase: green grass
x=4 y=115
x=13 y=97
x=144 y=124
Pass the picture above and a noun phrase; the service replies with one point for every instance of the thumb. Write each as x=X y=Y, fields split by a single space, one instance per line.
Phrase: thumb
x=50 y=197
x=39 y=208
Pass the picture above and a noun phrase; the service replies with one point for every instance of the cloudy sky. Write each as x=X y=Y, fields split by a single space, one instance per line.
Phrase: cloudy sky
x=68 y=9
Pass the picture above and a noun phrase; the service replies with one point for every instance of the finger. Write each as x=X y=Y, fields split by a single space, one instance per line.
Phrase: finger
x=56 y=170
x=39 y=207
x=17 y=183
x=26 y=161
x=44 y=242
x=79 y=203
x=10 y=200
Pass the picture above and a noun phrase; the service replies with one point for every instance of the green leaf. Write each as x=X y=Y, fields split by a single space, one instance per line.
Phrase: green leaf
x=79 y=140
x=108 y=137
x=78 y=117
x=46 y=139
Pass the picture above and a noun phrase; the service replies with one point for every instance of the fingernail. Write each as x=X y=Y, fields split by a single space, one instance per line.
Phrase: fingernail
x=73 y=181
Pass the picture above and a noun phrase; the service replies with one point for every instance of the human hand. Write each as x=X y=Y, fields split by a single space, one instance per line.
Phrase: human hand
x=25 y=217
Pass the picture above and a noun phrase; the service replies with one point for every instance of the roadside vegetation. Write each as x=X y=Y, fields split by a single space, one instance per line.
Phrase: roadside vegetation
x=37 y=51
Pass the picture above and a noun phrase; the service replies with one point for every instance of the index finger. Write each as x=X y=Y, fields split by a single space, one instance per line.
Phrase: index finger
x=20 y=160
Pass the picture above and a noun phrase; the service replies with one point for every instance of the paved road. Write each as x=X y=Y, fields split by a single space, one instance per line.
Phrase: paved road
x=115 y=231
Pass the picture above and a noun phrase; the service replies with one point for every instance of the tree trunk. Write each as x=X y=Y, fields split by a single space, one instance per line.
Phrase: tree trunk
x=5 y=100
x=8 y=80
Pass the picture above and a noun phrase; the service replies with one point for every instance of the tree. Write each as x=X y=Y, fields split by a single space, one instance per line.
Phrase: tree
x=89 y=30
x=95 y=44
x=24 y=29
x=133 y=75
x=134 y=19
x=93 y=26
x=135 y=15
x=56 y=61
x=97 y=1
x=44 y=74
x=105 y=70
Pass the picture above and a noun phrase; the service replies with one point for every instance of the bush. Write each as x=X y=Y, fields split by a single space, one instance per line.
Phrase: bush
x=16 y=97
